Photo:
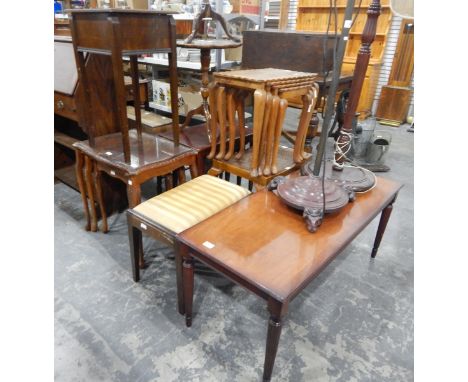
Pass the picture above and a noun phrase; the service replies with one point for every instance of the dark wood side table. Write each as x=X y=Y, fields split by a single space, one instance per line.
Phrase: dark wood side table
x=268 y=250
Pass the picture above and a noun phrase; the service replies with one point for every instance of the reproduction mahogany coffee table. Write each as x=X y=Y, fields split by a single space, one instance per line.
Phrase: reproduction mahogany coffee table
x=264 y=246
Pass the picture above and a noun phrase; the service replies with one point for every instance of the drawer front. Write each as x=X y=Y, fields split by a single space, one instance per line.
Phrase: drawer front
x=65 y=106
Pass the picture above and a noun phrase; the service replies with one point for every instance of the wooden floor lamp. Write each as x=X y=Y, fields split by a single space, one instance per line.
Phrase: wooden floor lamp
x=320 y=194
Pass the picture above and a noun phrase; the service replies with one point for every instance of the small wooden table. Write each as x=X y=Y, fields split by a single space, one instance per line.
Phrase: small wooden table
x=272 y=90
x=205 y=46
x=268 y=250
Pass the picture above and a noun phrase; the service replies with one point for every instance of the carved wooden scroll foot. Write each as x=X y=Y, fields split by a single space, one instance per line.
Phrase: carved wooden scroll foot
x=313 y=218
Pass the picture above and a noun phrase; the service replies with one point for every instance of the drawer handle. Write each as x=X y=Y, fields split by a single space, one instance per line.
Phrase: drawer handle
x=60 y=105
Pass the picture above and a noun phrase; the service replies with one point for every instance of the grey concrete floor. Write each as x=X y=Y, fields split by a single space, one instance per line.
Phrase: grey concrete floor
x=352 y=323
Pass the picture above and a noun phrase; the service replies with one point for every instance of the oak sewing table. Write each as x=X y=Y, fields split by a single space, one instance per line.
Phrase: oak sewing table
x=268 y=250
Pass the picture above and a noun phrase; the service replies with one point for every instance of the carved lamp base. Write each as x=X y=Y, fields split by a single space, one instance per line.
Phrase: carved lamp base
x=305 y=193
x=355 y=178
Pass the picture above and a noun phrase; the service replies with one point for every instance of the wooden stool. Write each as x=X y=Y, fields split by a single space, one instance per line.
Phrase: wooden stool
x=174 y=211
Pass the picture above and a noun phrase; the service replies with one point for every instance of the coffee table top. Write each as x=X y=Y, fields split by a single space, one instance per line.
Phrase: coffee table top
x=268 y=247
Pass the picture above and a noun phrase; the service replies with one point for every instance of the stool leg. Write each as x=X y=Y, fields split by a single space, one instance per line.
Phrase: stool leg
x=135 y=240
x=81 y=185
x=134 y=199
x=188 y=288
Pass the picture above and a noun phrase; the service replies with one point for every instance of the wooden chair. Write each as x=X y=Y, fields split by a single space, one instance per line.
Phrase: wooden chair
x=133 y=156
x=273 y=90
x=165 y=215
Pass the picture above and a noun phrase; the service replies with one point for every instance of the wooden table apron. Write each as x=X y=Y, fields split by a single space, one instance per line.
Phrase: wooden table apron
x=257 y=252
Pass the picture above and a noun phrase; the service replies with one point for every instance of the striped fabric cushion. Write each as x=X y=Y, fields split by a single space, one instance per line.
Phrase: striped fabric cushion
x=191 y=202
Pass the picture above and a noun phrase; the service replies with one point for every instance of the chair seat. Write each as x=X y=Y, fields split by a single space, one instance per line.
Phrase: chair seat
x=191 y=202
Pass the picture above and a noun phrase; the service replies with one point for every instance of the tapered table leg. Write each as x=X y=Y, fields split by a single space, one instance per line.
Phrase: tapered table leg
x=384 y=217
x=277 y=311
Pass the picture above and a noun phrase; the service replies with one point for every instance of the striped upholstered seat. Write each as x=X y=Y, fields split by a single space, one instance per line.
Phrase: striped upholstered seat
x=191 y=202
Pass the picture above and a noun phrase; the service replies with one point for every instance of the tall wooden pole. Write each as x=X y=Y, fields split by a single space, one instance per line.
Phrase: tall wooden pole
x=360 y=69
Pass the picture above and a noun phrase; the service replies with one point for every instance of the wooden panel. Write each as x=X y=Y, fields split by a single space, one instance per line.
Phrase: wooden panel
x=302 y=51
x=402 y=68
x=94 y=31
x=354 y=44
x=312 y=15
x=394 y=104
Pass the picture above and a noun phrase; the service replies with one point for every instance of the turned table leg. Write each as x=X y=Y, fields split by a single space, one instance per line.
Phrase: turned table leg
x=384 y=217
x=81 y=185
x=205 y=59
x=277 y=311
x=188 y=287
